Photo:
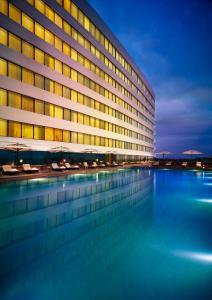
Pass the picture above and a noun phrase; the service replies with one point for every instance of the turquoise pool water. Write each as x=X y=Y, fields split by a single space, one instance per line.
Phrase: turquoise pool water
x=127 y=234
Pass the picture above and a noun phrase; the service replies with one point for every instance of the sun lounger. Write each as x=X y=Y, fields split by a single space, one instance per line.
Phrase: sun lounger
x=71 y=167
x=114 y=164
x=94 y=165
x=102 y=165
x=85 y=164
x=108 y=164
x=156 y=164
x=169 y=164
x=8 y=170
x=55 y=167
x=184 y=164
x=28 y=169
x=199 y=164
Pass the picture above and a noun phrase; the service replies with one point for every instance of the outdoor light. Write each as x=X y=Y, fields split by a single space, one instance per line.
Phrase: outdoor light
x=21 y=160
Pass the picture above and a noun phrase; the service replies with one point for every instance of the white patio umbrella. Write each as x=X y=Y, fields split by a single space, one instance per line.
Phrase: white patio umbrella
x=59 y=149
x=164 y=153
x=192 y=152
x=16 y=147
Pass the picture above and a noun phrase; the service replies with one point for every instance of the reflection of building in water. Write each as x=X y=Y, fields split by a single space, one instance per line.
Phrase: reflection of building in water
x=71 y=228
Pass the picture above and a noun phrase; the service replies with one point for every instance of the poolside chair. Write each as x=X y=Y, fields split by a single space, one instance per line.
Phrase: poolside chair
x=28 y=169
x=184 y=164
x=169 y=164
x=156 y=164
x=85 y=164
x=94 y=165
x=102 y=165
x=55 y=167
x=8 y=170
x=71 y=167
x=108 y=164
x=199 y=164
x=114 y=164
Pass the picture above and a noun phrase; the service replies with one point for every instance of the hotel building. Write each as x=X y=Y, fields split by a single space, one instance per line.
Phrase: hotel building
x=65 y=80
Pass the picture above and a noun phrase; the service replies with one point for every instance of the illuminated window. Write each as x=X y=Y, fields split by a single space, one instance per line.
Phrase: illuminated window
x=49 y=110
x=39 y=5
x=80 y=17
x=49 y=85
x=80 y=118
x=58 y=43
x=86 y=23
x=14 y=13
x=74 y=11
x=58 y=135
x=67 y=114
x=3 y=127
x=14 y=71
x=73 y=54
x=49 y=37
x=27 y=49
x=14 y=42
x=66 y=136
x=3 y=36
x=27 y=103
x=39 y=56
x=14 y=100
x=80 y=78
x=58 y=20
x=49 y=13
x=67 y=27
x=58 y=112
x=3 y=97
x=58 y=66
x=49 y=134
x=80 y=98
x=66 y=70
x=4 y=7
x=27 y=76
x=27 y=22
x=58 y=90
x=74 y=116
x=86 y=139
x=66 y=49
x=14 y=129
x=39 y=107
x=39 y=31
x=67 y=5
x=27 y=131
x=97 y=141
x=74 y=137
x=74 y=96
x=49 y=61
x=73 y=75
x=39 y=81
x=39 y=133
x=3 y=67
x=86 y=120
x=80 y=138
x=66 y=92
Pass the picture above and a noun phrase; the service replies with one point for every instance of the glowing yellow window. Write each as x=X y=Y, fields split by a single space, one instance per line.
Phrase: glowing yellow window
x=58 y=66
x=80 y=98
x=86 y=120
x=14 y=42
x=39 y=31
x=87 y=139
x=86 y=23
x=27 y=22
x=73 y=54
x=74 y=11
x=58 y=112
x=58 y=89
x=39 y=56
x=97 y=124
x=39 y=133
x=14 y=100
x=49 y=110
x=74 y=137
x=80 y=78
x=27 y=76
x=67 y=27
x=81 y=40
x=74 y=96
x=39 y=5
x=80 y=138
x=92 y=140
x=67 y=114
x=74 y=116
x=27 y=49
x=27 y=131
x=58 y=135
x=74 y=33
x=80 y=17
x=27 y=103
x=3 y=127
x=97 y=34
x=14 y=129
x=80 y=59
x=97 y=141
x=49 y=85
x=3 y=36
x=92 y=121
x=3 y=67
x=49 y=61
x=14 y=71
x=14 y=13
x=39 y=81
x=3 y=97
x=4 y=7
x=49 y=37
x=39 y=107
x=66 y=70
x=58 y=43
x=66 y=49
x=49 y=13
x=66 y=136
x=49 y=134
x=67 y=5
x=80 y=118
x=73 y=75
x=58 y=20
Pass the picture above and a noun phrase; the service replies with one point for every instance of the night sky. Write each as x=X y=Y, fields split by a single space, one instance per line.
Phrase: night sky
x=171 y=42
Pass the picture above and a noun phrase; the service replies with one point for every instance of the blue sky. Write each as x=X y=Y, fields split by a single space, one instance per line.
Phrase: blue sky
x=171 y=42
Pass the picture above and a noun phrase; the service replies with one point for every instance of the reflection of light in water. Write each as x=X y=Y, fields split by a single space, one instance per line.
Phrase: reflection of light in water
x=64 y=185
x=208 y=184
x=120 y=169
x=164 y=169
x=79 y=174
x=38 y=180
x=97 y=177
x=104 y=171
x=208 y=177
x=205 y=200
x=203 y=257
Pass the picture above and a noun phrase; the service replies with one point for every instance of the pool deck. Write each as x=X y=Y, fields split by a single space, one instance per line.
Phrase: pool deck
x=49 y=173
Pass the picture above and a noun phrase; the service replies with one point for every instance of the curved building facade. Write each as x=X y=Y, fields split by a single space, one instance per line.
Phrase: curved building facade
x=66 y=80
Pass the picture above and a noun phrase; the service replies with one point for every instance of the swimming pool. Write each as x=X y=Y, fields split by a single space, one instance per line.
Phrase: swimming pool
x=122 y=234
